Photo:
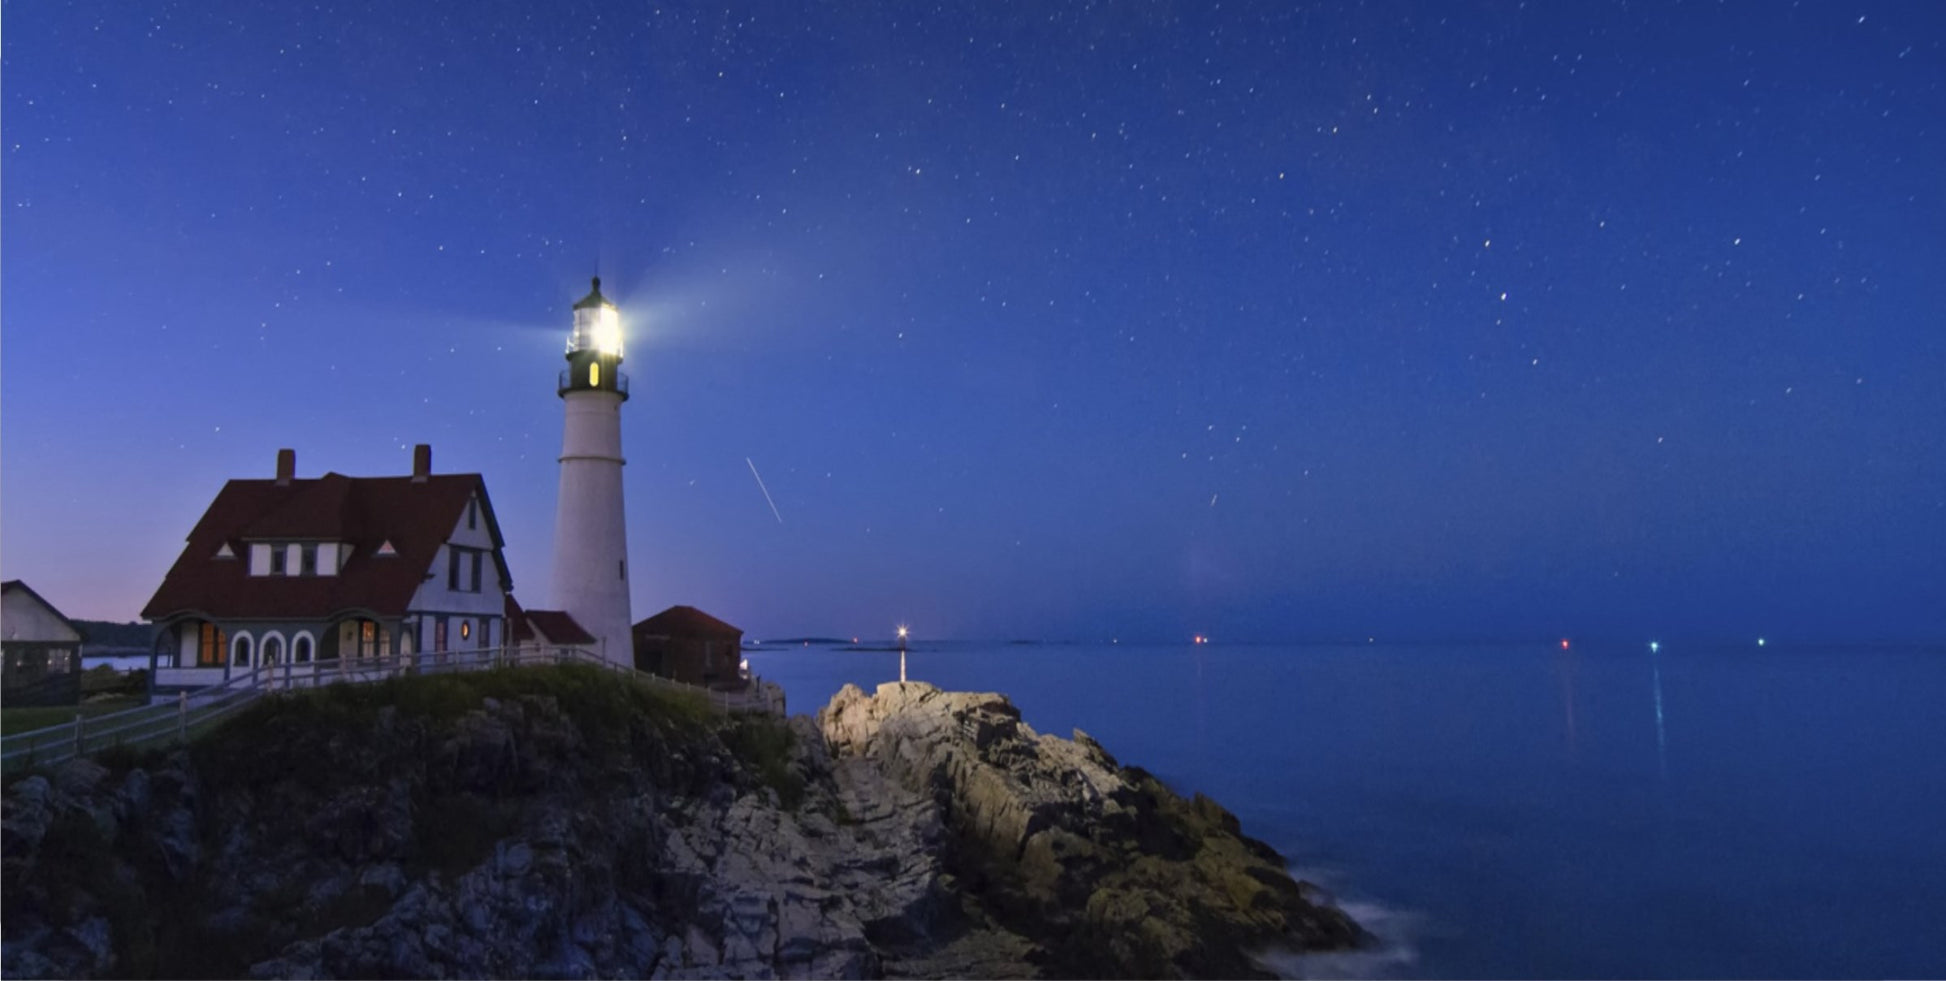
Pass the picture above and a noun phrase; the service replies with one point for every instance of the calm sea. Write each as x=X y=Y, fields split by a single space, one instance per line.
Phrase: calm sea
x=1495 y=811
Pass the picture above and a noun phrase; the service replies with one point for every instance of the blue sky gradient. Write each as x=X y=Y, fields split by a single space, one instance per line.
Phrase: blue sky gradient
x=1040 y=320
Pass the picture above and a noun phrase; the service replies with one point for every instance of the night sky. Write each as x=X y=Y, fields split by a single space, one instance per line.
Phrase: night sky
x=1049 y=320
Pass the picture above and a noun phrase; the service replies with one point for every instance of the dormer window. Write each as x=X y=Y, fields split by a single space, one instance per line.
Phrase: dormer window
x=225 y=551
x=295 y=558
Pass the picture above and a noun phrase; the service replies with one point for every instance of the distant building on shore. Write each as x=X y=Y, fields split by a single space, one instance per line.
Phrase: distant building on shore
x=41 y=649
x=685 y=644
x=289 y=571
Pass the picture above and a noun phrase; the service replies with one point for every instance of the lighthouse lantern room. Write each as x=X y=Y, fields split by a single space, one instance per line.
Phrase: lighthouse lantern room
x=595 y=347
x=590 y=533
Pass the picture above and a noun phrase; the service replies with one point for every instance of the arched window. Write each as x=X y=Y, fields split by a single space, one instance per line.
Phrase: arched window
x=273 y=650
x=240 y=650
x=301 y=648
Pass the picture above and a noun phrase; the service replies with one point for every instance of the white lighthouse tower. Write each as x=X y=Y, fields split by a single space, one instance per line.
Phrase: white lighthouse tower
x=590 y=535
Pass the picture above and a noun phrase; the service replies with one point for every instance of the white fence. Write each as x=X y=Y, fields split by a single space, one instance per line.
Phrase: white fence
x=172 y=721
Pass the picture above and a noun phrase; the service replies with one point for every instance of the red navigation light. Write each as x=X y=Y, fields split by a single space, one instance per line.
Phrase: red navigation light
x=1564 y=643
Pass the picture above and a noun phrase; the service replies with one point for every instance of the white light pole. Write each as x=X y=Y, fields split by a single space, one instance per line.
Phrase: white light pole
x=901 y=655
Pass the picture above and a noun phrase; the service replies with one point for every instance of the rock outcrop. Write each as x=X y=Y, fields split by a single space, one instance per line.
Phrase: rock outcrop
x=1103 y=868
x=550 y=823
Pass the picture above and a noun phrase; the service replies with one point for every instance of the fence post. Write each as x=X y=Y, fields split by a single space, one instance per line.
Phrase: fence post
x=182 y=717
x=77 y=734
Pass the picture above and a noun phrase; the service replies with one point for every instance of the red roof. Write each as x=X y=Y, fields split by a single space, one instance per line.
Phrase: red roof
x=517 y=621
x=686 y=621
x=416 y=516
x=558 y=627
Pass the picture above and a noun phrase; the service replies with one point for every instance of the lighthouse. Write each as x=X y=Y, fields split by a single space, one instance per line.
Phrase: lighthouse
x=590 y=534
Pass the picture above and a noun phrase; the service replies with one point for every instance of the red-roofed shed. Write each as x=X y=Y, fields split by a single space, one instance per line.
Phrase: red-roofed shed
x=685 y=644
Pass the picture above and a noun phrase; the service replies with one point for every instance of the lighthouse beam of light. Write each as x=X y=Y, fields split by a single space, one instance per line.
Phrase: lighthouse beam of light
x=766 y=490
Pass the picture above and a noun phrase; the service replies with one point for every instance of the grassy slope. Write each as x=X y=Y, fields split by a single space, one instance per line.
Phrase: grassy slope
x=283 y=739
x=28 y=717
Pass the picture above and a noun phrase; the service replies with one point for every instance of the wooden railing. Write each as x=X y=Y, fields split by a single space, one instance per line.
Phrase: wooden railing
x=191 y=712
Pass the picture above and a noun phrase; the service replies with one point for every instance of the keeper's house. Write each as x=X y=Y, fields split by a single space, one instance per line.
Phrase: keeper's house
x=285 y=573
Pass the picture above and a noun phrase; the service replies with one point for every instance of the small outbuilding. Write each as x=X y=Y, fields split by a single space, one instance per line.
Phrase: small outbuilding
x=685 y=644
x=41 y=648
x=542 y=631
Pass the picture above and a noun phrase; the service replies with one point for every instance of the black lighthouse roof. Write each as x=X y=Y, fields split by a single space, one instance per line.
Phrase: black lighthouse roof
x=594 y=297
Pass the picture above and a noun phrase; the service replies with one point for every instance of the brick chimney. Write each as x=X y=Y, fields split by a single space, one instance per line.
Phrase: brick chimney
x=421 y=462
x=286 y=467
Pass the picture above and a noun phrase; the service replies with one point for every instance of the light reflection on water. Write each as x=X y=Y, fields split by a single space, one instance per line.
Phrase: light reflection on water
x=1523 y=803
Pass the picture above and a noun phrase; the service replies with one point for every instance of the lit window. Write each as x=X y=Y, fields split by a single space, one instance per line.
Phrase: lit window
x=594 y=374
x=465 y=629
x=209 y=649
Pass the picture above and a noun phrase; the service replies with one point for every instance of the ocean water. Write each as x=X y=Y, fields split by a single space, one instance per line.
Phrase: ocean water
x=1526 y=812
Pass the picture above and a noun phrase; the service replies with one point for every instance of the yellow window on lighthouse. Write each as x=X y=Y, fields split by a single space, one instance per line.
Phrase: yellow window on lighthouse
x=594 y=374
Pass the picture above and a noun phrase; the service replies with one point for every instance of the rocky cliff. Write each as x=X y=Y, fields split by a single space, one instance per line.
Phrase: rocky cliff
x=553 y=823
